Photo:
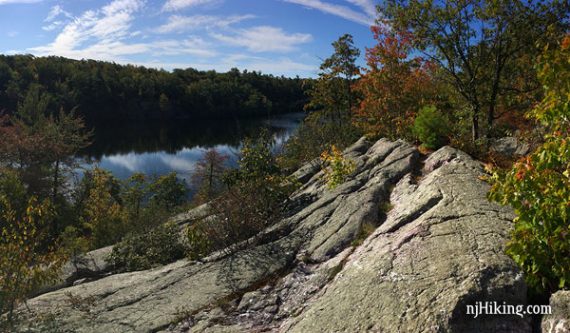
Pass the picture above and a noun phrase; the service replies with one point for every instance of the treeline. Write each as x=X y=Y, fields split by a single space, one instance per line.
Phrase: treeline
x=109 y=91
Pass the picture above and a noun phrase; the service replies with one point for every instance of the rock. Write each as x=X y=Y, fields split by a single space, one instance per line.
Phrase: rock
x=89 y=266
x=447 y=154
x=193 y=214
x=439 y=249
x=304 y=173
x=559 y=320
x=510 y=146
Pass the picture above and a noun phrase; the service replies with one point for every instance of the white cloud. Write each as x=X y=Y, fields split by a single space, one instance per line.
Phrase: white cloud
x=5 y=2
x=178 y=23
x=52 y=26
x=55 y=12
x=110 y=23
x=103 y=35
x=192 y=46
x=345 y=12
x=264 y=39
x=368 y=6
x=173 y=5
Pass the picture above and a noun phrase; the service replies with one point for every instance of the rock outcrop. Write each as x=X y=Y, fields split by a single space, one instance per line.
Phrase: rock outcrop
x=404 y=245
x=559 y=320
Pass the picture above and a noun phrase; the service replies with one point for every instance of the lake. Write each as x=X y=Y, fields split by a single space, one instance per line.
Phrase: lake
x=158 y=148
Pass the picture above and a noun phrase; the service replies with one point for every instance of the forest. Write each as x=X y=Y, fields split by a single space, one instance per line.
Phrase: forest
x=103 y=91
x=459 y=73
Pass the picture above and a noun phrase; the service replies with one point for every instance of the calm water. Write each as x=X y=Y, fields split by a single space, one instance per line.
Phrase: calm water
x=160 y=148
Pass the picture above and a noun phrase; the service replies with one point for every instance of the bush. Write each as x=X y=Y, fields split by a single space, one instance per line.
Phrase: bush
x=254 y=200
x=167 y=191
x=538 y=186
x=105 y=219
x=431 y=127
x=338 y=167
x=316 y=134
x=199 y=245
x=160 y=246
x=26 y=263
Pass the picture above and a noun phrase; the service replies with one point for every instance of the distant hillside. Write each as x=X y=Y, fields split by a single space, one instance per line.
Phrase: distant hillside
x=109 y=91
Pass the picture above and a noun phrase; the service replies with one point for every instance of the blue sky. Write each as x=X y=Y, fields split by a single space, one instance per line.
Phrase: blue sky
x=281 y=37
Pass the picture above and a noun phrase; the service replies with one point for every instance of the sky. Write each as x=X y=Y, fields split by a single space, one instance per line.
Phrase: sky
x=279 y=37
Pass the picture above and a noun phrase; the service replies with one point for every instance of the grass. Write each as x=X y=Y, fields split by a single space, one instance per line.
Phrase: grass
x=365 y=230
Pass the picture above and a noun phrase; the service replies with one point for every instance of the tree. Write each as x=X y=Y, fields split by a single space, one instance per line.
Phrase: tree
x=332 y=93
x=394 y=86
x=66 y=135
x=104 y=217
x=331 y=99
x=134 y=194
x=167 y=191
x=477 y=42
x=207 y=176
x=43 y=146
x=254 y=199
x=25 y=264
x=538 y=186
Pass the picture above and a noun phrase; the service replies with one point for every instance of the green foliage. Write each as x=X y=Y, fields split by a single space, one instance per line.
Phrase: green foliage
x=331 y=99
x=431 y=127
x=484 y=48
x=105 y=219
x=167 y=191
x=134 y=194
x=104 y=90
x=160 y=246
x=25 y=262
x=199 y=245
x=337 y=167
x=74 y=243
x=538 y=186
x=42 y=145
x=254 y=200
x=109 y=209
x=207 y=176
x=256 y=158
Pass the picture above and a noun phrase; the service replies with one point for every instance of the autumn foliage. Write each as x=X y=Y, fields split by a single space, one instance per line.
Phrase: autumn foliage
x=26 y=261
x=393 y=87
x=538 y=186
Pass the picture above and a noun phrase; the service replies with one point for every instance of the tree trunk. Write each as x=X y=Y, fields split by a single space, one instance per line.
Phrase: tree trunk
x=490 y=117
x=54 y=194
x=210 y=181
x=55 y=181
x=475 y=124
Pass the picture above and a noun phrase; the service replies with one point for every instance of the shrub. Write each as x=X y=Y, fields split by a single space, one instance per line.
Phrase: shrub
x=207 y=176
x=538 y=186
x=73 y=243
x=431 y=127
x=25 y=261
x=160 y=246
x=105 y=218
x=167 y=191
x=254 y=200
x=338 y=167
x=315 y=134
x=199 y=245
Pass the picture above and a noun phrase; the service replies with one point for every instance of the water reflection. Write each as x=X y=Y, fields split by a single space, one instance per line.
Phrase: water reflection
x=161 y=148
